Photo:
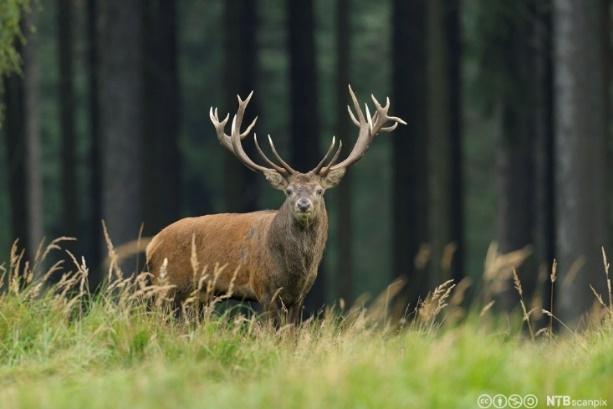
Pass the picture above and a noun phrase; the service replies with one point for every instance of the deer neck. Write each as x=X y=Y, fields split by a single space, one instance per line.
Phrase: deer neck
x=299 y=246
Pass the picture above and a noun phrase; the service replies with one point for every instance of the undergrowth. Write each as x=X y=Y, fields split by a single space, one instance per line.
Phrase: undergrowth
x=63 y=347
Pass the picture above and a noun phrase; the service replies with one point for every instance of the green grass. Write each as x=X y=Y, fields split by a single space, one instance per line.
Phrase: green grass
x=113 y=352
x=110 y=359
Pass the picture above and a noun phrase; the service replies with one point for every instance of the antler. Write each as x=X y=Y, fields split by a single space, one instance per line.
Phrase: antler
x=233 y=143
x=369 y=128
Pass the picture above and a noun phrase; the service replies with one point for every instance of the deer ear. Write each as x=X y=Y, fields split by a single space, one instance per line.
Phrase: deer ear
x=276 y=180
x=333 y=178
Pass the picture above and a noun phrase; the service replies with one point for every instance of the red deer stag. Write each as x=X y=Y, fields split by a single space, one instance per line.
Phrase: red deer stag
x=271 y=256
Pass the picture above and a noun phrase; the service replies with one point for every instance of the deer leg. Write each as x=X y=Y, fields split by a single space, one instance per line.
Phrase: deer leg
x=272 y=309
x=294 y=314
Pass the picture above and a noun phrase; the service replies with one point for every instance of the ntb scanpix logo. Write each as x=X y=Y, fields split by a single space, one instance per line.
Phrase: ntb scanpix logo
x=515 y=401
x=563 y=401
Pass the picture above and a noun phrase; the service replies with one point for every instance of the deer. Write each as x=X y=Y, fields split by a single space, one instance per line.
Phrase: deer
x=270 y=256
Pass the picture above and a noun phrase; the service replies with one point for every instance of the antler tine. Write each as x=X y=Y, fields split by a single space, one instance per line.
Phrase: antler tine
x=390 y=128
x=378 y=105
x=356 y=105
x=249 y=128
x=219 y=128
x=239 y=152
x=369 y=127
x=397 y=119
x=355 y=121
x=266 y=159
x=232 y=142
x=325 y=158
x=325 y=170
x=238 y=117
x=382 y=111
x=279 y=158
x=368 y=118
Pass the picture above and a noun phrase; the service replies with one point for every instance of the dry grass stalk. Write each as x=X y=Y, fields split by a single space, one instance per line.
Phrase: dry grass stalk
x=606 y=270
x=435 y=302
x=43 y=252
x=112 y=258
x=598 y=297
x=552 y=316
x=526 y=315
x=569 y=276
x=553 y=278
x=423 y=257
x=378 y=313
x=486 y=308
x=460 y=291
x=498 y=269
x=447 y=259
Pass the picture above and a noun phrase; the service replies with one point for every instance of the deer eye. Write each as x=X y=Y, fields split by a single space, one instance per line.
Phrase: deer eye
x=289 y=191
x=319 y=191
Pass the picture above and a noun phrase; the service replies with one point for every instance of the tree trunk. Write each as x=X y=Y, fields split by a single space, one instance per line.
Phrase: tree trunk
x=544 y=237
x=304 y=123
x=607 y=61
x=16 y=157
x=515 y=168
x=580 y=152
x=95 y=152
x=23 y=145
x=445 y=149
x=162 y=172
x=241 y=187
x=410 y=190
x=454 y=75
x=344 y=190
x=70 y=206
x=121 y=116
x=31 y=77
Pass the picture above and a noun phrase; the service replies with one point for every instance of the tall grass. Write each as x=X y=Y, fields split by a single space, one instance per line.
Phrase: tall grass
x=63 y=347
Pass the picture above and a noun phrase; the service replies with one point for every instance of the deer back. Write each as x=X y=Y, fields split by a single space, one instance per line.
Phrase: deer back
x=235 y=242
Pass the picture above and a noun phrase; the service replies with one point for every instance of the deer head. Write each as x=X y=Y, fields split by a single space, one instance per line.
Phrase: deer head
x=304 y=191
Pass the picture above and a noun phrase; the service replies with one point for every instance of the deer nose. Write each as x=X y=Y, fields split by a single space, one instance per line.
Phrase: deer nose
x=303 y=205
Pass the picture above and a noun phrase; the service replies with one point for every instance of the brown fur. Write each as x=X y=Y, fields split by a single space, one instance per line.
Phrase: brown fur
x=272 y=256
x=269 y=256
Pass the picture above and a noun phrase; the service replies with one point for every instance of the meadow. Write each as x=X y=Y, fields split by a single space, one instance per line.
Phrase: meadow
x=123 y=347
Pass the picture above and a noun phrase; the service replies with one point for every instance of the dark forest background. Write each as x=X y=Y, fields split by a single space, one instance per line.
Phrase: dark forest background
x=508 y=137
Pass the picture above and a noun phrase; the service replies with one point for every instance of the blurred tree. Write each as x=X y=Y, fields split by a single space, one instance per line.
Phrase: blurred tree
x=11 y=35
x=70 y=202
x=508 y=61
x=607 y=33
x=31 y=72
x=304 y=102
x=580 y=151
x=95 y=152
x=162 y=161
x=344 y=269
x=21 y=92
x=515 y=154
x=121 y=115
x=410 y=190
x=241 y=185
x=453 y=14
x=304 y=123
x=445 y=145
x=544 y=237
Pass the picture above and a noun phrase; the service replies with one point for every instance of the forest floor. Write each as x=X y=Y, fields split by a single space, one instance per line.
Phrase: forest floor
x=61 y=348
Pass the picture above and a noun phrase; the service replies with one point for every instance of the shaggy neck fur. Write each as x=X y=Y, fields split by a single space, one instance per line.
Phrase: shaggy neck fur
x=299 y=246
